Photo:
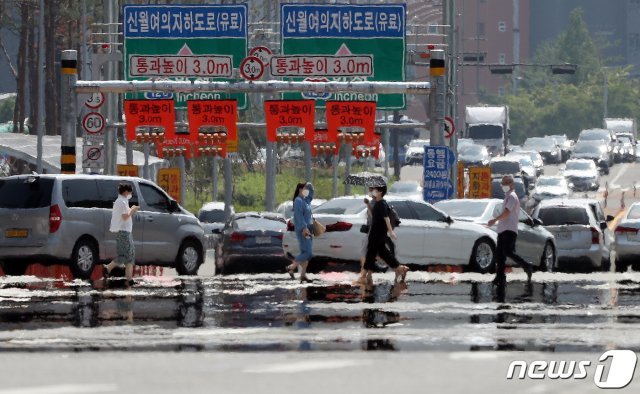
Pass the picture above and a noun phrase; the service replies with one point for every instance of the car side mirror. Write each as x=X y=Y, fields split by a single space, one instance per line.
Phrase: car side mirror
x=173 y=206
x=449 y=220
x=610 y=218
x=603 y=226
x=537 y=222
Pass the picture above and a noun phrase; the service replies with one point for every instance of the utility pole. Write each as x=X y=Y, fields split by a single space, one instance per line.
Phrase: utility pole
x=41 y=65
x=438 y=76
x=605 y=98
x=516 y=45
x=110 y=138
x=69 y=69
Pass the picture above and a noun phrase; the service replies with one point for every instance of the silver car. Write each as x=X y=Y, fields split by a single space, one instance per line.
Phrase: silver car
x=627 y=240
x=580 y=229
x=534 y=242
x=65 y=218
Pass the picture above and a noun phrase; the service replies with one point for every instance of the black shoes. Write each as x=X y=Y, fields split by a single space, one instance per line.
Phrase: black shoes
x=499 y=281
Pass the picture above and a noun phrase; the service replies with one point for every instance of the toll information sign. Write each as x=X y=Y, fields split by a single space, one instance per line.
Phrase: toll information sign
x=438 y=161
x=343 y=42
x=184 y=43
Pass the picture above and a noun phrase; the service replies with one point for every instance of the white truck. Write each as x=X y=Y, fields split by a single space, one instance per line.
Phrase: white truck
x=488 y=126
x=621 y=125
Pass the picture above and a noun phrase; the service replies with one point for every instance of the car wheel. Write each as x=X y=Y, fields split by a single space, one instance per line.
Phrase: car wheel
x=635 y=266
x=14 y=268
x=548 y=259
x=606 y=265
x=483 y=256
x=189 y=258
x=83 y=258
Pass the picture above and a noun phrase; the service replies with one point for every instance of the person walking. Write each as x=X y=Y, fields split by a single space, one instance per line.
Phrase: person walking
x=378 y=238
x=508 y=233
x=122 y=225
x=303 y=225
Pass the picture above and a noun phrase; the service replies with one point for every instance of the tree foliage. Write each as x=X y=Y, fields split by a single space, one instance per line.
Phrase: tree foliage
x=566 y=104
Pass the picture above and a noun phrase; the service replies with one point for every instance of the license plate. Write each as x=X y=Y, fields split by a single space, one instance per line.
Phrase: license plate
x=263 y=240
x=634 y=237
x=16 y=233
x=564 y=236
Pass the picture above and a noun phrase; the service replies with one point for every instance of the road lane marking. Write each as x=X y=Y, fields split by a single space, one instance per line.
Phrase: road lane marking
x=307 y=366
x=63 y=389
x=613 y=183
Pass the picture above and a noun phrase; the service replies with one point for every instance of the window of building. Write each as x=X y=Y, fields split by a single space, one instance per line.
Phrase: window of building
x=501 y=91
x=502 y=58
x=480 y=29
x=502 y=26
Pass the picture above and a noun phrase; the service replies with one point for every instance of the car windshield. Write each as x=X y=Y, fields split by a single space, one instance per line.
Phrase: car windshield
x=634 y=212
x=580 y=165
x=595 y=135
x=485 y=132
x=539 y=143
x=560 y=216
x=418 y=143
x=550 y=182
x=624 y=140
x=474 y=150
x=588 y=148
x=250 y=223
x=341 y=206
x=402 y=187
x=561 y=139
x=505 y=167
x=463 y=208
x=212 y=216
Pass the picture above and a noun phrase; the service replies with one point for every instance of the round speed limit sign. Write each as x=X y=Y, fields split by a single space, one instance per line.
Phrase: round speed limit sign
x=93 y=123
x=95 y=101
x=251 y=68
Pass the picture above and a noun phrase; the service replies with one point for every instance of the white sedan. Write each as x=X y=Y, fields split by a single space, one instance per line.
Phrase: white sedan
x=534 y=242
x=426 y=235
x=627 y=240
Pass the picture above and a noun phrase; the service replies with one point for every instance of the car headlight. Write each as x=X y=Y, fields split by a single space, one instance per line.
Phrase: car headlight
x=571 y=185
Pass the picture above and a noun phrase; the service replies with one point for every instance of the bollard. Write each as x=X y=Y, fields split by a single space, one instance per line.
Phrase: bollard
x=622 y=204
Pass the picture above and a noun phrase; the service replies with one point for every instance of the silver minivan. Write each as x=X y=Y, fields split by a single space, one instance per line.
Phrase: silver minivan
x=65 y=218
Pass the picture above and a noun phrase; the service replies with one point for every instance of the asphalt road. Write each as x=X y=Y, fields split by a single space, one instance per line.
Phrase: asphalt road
x=441 y=332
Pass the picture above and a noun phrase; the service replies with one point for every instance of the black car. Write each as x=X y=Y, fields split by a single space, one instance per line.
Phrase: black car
x=596 y=151
x=252 y=242
x=518 y=185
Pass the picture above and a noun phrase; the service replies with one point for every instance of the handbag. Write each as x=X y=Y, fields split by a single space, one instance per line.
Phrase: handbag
x=318 y=228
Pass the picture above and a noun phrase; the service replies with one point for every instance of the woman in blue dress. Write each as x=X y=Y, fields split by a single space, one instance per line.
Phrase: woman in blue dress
x=303 y=224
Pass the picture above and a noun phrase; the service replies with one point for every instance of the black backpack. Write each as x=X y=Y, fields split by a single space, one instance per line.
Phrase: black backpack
x=393 y=217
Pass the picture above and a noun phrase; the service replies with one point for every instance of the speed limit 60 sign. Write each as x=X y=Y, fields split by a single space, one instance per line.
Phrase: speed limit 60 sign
x=93 y=123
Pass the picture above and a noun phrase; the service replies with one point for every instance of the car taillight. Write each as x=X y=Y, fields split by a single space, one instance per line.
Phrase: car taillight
x=339 y=226
x=238 y=237
x=595 y=236
x=55 y=218
x=290 y=226
x=626 y=230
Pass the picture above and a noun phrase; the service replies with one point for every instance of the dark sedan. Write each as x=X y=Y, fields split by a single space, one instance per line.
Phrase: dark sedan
x=252 y=242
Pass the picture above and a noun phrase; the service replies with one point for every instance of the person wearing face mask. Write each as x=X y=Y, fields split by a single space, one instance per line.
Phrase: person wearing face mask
x=378 y=238
x=508 y=233
x=303 y=225
x=122 y=225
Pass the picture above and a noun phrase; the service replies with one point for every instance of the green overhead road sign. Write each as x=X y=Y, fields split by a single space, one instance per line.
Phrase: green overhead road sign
x=183 y=42
x=343 y=43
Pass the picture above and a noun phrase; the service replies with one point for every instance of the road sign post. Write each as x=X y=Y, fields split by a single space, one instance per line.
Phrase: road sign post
x=184 y=42
x=438 y=185
x=342 y=42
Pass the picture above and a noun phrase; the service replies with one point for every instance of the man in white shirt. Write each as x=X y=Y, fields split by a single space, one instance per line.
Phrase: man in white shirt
x=122 y=225
x=508 y=233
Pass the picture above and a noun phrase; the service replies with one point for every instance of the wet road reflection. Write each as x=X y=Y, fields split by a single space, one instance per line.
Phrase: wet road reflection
x=432 y=311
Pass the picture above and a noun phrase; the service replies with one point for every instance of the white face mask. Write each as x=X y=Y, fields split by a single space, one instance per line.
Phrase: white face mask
x=129 y=196
x=305 y=193
x=506 y=188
